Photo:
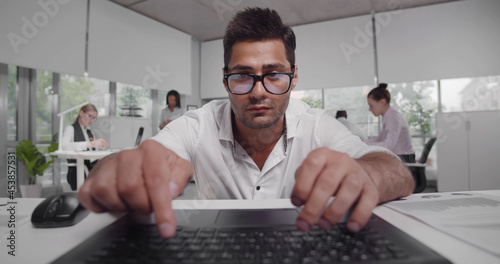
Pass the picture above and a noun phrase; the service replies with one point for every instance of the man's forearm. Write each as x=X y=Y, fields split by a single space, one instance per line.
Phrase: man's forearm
x=390 y=175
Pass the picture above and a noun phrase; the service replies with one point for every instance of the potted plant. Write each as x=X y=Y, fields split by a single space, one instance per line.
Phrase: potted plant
x=36 y=163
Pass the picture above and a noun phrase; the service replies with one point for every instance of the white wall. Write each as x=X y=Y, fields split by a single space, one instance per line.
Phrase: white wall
x=46 y=35
x=212 y=62
x=450 y=40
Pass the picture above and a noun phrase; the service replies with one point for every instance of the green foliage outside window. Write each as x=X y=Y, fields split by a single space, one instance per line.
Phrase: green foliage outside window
x=76 y=90
x=132 y=97
x=311 y=102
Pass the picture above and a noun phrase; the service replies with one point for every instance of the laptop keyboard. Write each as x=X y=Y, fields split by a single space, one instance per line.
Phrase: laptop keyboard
x=143 y=244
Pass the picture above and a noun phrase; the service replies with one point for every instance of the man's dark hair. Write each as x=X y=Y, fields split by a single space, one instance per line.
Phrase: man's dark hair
x=380 y=92
x=177 y=97
x=258 y=24
x=341 y=113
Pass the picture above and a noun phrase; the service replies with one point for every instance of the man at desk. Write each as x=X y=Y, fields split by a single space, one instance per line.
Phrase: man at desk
x=259 y=144
x=78 y=137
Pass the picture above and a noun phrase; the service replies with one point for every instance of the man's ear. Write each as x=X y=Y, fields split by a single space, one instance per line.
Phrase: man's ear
x=295 y=77
x=223 y=80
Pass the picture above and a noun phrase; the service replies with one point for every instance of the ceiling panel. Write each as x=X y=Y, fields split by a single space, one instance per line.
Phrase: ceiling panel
x=206 y=20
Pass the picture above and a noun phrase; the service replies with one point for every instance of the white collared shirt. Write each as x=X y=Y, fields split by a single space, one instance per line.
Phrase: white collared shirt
x=205 y=138
x=166 y=114
x=68 y=139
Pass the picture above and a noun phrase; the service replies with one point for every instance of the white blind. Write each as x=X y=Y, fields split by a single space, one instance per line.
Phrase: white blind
x=336 y=53
x=451 y=40
x=127 y=47
x=212 y=62
x=47 y=35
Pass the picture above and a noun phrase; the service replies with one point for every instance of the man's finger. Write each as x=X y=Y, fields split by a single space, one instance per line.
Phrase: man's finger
x=306 y=174
x=157 y=175
x=130 y=183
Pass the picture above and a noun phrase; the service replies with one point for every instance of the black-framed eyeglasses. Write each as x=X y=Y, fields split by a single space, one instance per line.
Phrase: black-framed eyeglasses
x=273 y=82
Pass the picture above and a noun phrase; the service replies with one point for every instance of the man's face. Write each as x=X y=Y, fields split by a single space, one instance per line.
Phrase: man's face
x=259 y=108
x=376 y=107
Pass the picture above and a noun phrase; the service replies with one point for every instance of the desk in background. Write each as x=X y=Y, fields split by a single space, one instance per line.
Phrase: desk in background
x=35 y=245
x=80 y=156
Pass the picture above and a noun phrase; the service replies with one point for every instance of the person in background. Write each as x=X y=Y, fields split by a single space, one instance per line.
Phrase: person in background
x=341 y=116
x=395 y=134
x=173 y=109
x=258 y=144
x=78 y=137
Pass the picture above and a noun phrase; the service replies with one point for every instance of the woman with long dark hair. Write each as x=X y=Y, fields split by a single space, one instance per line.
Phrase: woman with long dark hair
x=173 y=109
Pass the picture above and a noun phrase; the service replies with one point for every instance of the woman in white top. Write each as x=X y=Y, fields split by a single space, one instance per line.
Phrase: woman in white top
x=78 y=137
x=173 y=109
x=395 y=134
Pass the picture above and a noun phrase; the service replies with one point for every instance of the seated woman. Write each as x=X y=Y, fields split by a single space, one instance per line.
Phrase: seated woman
x=395 y=134
x=78 y=137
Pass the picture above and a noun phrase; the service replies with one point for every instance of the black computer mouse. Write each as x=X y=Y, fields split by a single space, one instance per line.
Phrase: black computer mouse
x=59 y=210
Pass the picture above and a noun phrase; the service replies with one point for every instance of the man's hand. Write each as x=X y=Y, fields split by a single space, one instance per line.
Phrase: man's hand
x=326 y=173
x=144 y=180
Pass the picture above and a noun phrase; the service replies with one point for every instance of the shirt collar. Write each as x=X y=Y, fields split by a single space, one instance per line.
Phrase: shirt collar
x=224 y=119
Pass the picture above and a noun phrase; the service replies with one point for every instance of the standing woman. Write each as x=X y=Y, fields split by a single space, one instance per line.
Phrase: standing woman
x=78 y=137
x=173 y=109
x=395 y=134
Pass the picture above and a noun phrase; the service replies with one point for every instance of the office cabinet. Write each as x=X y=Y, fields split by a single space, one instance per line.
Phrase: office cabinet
x=468 y=151
x=119 y=131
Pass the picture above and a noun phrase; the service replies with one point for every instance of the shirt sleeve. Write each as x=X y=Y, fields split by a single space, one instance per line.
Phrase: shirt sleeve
x=68 y=141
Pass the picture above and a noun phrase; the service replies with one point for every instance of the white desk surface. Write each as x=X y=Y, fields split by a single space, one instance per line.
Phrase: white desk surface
x=80 y=156
x=93 y=154
x=38 y=245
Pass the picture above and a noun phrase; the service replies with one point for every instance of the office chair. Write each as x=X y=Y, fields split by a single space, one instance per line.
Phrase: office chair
x=418 y=169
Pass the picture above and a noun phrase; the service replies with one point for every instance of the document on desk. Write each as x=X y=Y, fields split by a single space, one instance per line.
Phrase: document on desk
x=470 y=217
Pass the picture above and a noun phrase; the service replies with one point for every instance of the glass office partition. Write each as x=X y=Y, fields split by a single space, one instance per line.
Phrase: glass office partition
x=12 y=104
x=44 y=102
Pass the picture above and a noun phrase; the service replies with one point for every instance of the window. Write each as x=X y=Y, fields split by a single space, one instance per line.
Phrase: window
x=44 y=103
x=77 y=90
x=313 y=98
x=133 y=100
x=162 y=99
x=417 y=101
x=470 y=94
x=12 y=104
x=353 y=101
